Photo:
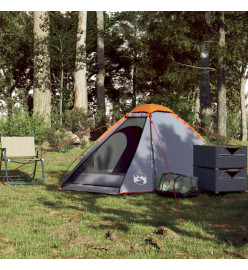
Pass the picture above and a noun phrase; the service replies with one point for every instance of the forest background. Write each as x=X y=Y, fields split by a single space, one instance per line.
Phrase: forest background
x=63 y=73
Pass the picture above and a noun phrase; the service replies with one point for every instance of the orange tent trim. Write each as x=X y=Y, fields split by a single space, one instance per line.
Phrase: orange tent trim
x=150 y=108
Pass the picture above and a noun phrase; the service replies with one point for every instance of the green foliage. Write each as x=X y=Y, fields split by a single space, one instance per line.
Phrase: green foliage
x=16 y=42
x=75 y=122
x=100 y=120
x=57 y=137
x=150 y=57
x=63 y=37
x=19 y=122
x=183 y=106
x=234 y=125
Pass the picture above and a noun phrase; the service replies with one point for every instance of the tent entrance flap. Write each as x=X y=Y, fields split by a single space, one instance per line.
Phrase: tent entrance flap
x=108 y=165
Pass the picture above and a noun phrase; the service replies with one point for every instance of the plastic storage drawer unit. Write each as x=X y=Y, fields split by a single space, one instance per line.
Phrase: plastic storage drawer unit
x=227 y=156
x=221 y=180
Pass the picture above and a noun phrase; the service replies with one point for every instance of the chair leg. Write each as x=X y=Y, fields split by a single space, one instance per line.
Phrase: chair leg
x=2 y=178
x=42 y=166
x=11 y=181
x=35 y=165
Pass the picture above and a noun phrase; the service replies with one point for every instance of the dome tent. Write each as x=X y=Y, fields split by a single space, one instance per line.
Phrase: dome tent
x=127 y=157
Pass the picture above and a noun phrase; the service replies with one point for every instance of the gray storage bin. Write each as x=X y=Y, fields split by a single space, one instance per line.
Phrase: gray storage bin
x=221 y=180
x=217 y=156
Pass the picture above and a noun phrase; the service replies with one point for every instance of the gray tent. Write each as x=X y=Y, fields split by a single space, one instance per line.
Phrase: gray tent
x=126 y=158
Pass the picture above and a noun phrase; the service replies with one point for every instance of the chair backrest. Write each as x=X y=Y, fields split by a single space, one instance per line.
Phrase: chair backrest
x=18 y=146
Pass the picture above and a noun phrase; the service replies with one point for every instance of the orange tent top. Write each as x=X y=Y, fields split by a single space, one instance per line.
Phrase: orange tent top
x=149 y=108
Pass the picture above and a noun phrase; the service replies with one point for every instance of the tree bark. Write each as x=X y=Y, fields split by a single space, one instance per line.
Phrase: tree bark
x=197 y=107
x=42 y=77
x=61 y=93
x=100 y=62
x=205 y=101
x=80 y=82
x=221 y=106
x=242 y=105
x=134 y=86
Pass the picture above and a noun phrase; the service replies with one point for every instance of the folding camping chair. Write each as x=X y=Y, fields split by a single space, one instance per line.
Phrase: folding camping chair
x=20 y=150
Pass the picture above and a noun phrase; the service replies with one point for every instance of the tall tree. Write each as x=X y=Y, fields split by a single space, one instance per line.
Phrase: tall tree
x=100 y=62
x=80 y=82
x=205 y=101
x=42 y=80
x=221 y=105
x=237 y=58
x=16 y=47
x=243 y=80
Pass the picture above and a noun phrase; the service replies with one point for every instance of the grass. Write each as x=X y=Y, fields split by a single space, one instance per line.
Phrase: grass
x=43 y=222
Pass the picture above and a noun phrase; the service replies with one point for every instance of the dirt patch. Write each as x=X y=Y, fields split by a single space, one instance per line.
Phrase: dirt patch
x=6 y=221
x=167 y=233
x=184 y=255
x=4 y=239
x=53 y=213
x=65 y=231
x=136 y=247
x=13 y=221
x=107 y=224
x=8 y=250
x=112 y=236
x=79 y=240
x=154 y=242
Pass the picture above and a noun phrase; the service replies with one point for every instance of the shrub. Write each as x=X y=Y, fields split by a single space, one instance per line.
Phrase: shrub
x=74 y=122
x=56 y=137
x=234 y=125
x=20 y=122
x=100 y=120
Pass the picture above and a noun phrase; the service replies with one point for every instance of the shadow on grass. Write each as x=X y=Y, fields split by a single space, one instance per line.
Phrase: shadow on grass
x=222 y=218
x=219 y=219
x=18 y=176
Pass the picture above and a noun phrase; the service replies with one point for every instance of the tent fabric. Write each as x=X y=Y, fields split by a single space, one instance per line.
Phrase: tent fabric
x=150 y=108
x=128 y=156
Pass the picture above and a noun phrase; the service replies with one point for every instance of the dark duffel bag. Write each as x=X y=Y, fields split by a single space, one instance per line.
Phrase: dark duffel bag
x=185 y=186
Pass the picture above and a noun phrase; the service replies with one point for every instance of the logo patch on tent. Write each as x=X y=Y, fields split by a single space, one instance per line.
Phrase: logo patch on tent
x=140 y=178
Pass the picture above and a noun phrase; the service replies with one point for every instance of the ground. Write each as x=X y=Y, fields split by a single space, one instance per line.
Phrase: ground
x=42 y=222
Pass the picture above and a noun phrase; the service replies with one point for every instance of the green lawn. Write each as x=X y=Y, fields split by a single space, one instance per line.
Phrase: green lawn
x=42 y=222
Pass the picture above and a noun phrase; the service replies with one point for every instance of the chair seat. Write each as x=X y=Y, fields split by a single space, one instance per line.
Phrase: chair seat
x=9 y=159
x=21 y=149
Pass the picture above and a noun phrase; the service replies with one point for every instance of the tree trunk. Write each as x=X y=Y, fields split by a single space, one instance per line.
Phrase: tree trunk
x=242 y=106
x=42 y=80
x=221 y=106
x=205 y=101
x=80 y=82
x=61 y=93
x=100 y=62
x=197 y=107
x=205 y=98
x=134 y=86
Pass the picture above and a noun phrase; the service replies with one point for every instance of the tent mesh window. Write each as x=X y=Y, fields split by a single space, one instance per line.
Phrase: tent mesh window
x=116 y=153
